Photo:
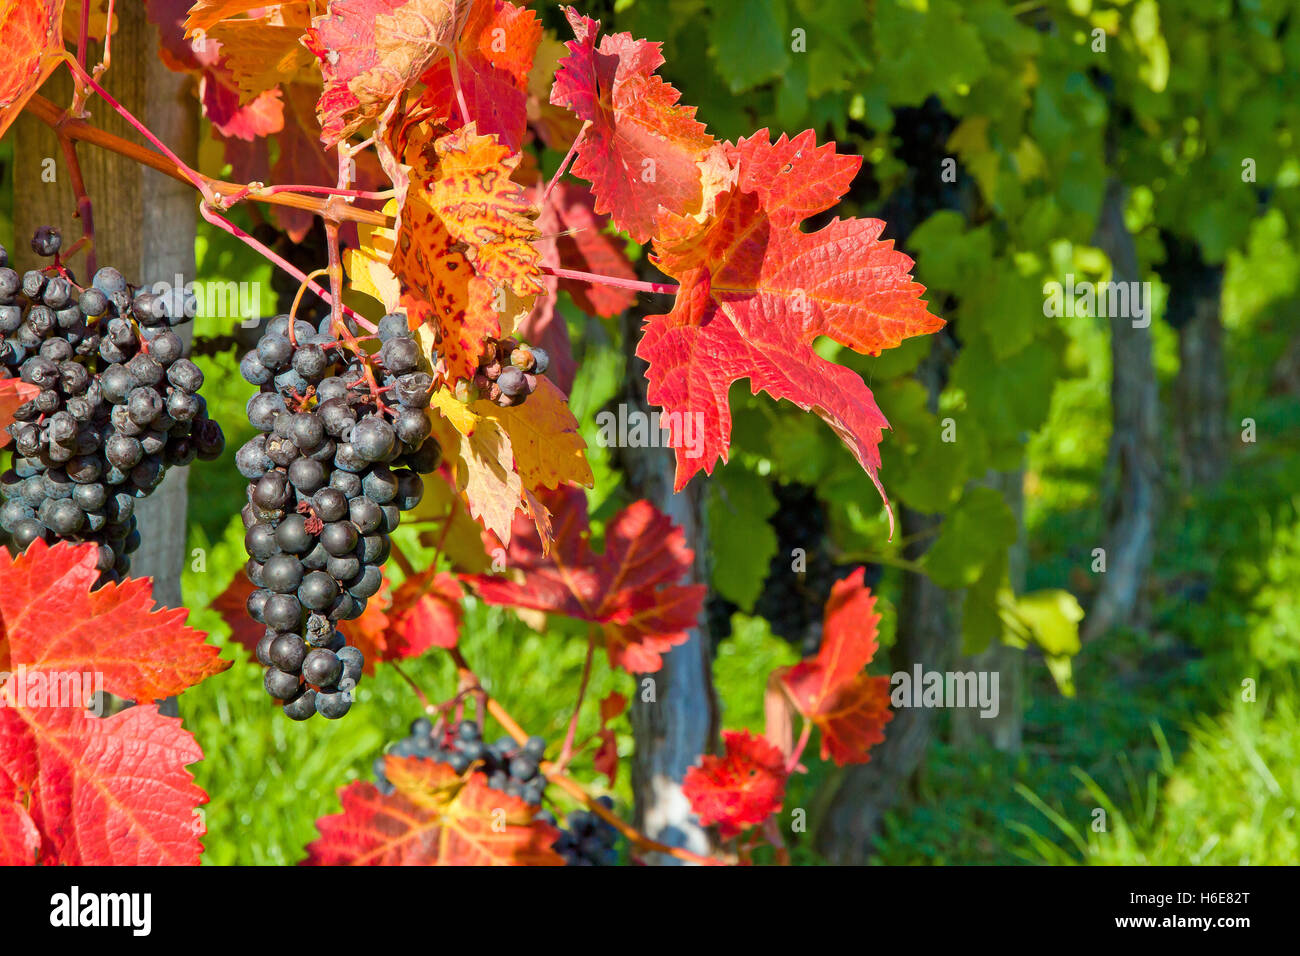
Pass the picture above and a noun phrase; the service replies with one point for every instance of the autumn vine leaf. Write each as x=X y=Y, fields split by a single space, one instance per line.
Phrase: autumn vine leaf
x=466 y=181
x=493 y=55
x=426 y=612
x=105 y=792
x=501 y=456
x=756 y=292
x=481 y=457
x=261 y=54
x=433 y=818
x=205 y=14
x=371 y=51
x=54 y=622
x=644 y=151
x=848 y=706
x=463 y=255
x=111 y=791
x=740 y=789
x=31 y=33
x=629 y=590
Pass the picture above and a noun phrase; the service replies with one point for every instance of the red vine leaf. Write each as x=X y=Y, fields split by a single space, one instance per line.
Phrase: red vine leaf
x=756 y=292
x=643 y=150
x=13 y=392
x=849 y=707
x=104 y=792
x=582 y=244
x=433 y=818
x=19 y=838
x=370 y=51
x=494 y=53
x=31 y=31
x=426 y=613
x=261 y=117
x=740 y=789
x=110 y=791
x=54 y=623
x=629 y=590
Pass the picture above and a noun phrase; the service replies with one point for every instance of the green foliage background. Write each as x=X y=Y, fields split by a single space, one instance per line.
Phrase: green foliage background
x=1156 y=731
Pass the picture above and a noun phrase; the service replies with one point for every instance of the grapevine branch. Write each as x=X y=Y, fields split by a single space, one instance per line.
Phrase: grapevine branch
x=566 y=753
x=84 y=210
x=223 y=193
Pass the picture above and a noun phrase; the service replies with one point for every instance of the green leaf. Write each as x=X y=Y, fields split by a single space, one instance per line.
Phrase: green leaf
x=749 y=41
x=981 y=619
x=923 y=470
x=741 y=541
x=975 y=533
x=1053 y=617
x=800 y=446
x=925 y=48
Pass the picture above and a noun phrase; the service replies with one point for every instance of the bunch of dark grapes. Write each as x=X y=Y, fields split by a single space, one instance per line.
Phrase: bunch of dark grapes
x=509 y=767
x=118 y=405
x=588 y=840
x=513 y=769
x=329 y=474
x=507 y=372
x=794 y=601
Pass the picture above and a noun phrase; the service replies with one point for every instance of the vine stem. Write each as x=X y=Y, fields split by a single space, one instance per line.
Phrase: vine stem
x=575 y=789
x=568 y=158
x=85 y=211
x=659 y=288
x=81 y=131
x=566 y=752
x=302 y=287
x=429 y=706
x=799 y=747
x=261 y=191
x=225 y=225
x=192 y=175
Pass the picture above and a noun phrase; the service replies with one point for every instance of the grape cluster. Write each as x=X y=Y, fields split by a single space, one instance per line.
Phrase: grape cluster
x=118 y=405
x=512 y=769
x=509 y=767
x=507 y=372
x=589 y=840
x=794 y=602
x=330 y=472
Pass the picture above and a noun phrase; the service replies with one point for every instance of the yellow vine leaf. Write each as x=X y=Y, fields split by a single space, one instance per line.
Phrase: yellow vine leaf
x=261 y=54
x=465 y=179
